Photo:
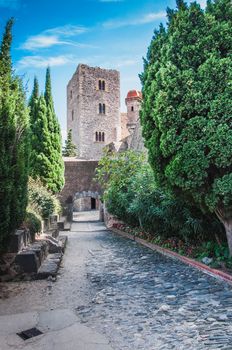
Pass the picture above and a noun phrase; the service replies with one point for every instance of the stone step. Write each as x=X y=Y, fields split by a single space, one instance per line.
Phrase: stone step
x=50 y=266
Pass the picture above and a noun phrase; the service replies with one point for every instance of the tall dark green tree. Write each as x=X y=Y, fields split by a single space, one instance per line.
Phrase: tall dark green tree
x=69 y=149
x=40 y=165
x=187 y=108
x=46 y=154
x=55 y=181
x=13 y=142
x=33 y=102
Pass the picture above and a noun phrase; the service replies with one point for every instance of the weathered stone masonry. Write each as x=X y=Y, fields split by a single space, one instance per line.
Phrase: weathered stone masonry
x=93 y=100
x=79 y=177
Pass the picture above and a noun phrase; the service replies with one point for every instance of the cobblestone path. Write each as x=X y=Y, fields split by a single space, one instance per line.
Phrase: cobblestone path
x=137 y=298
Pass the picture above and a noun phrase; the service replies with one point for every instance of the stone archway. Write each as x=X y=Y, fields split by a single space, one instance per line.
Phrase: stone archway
x=86 y=201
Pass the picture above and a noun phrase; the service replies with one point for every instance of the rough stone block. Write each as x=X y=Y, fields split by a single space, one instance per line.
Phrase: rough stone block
x=60 y=225
x=16 y=241
x=27 y=261
x=54 y=219
x=54 y=246
x=50 y=266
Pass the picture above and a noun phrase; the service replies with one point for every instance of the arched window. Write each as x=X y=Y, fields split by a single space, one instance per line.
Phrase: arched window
x=132 y=109
x=72 y=115
x=101 y=85
x=71 y=94
x=96 y=136
x=104 y=108
x=103 y=137
x=100 y=108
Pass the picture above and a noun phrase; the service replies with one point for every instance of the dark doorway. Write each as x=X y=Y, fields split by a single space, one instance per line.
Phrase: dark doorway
x=93 y=203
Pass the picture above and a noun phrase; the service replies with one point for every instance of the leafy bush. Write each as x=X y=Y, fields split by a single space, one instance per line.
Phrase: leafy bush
x=41 y=201
x=132 y=195
x=33 y=222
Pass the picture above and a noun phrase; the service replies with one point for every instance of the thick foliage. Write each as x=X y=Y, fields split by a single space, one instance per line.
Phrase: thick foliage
x=132 y=195
x=46 y=157
x=33 y=222
x=13 y=143
x=41 y=201
x=187 y=108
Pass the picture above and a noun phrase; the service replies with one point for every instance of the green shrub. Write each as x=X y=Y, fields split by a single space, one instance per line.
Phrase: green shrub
x=131 y=194
x=43 y=202
x=33 y=222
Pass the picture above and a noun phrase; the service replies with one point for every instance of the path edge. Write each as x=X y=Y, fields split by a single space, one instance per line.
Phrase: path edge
x=220 y=275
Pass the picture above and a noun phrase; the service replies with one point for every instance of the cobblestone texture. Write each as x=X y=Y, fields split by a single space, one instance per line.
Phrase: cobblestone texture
x=137 y=298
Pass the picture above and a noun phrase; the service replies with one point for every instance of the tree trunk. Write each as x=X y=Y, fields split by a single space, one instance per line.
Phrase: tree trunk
x=227 y=222
x=228 y=228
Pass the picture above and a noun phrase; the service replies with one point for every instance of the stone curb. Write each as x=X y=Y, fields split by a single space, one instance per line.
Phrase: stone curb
x=198 y=265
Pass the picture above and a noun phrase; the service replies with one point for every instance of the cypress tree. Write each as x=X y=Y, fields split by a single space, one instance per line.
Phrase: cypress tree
x=55 y=180
x=40 y=143
x=70 y=148
x=13 y=142
x=34 y=101
x=46 y=155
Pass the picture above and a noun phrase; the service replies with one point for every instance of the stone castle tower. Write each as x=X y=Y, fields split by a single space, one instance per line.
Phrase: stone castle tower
x=93 y=110
x=130 y=119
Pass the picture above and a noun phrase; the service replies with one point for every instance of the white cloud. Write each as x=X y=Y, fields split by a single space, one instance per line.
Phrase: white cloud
x=67 y=30
x=53 y=36
x=147 y=18
x=13 y=4
x=43 y=62
x=40 y=41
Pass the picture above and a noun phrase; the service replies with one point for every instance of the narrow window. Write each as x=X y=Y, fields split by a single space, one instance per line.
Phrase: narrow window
x=71 y=94
x=72 y=115
x=103 y=85
x=100 y=138
x=96 y=136
x=100 y=84
x=103 y=137
x=132 y=109
x=104 y=108
x=100 y=108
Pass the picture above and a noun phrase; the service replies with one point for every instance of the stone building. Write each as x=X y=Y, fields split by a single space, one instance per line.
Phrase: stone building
x=130 y=119
x=93 y=109
x=93 y=115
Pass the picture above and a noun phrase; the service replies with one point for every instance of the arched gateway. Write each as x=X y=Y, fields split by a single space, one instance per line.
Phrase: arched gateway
x=86 y=200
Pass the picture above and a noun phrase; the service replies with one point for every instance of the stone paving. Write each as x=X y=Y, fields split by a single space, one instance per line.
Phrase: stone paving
x=136 y=298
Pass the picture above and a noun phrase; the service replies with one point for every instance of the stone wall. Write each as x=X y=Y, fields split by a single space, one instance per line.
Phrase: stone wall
x=83 y=99
x=79 y=177
x=136 y=141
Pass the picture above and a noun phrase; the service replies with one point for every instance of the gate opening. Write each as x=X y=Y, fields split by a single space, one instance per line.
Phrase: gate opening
x=93 y=203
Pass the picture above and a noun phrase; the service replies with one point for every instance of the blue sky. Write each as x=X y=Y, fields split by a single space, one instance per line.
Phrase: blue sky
x=106 y=33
